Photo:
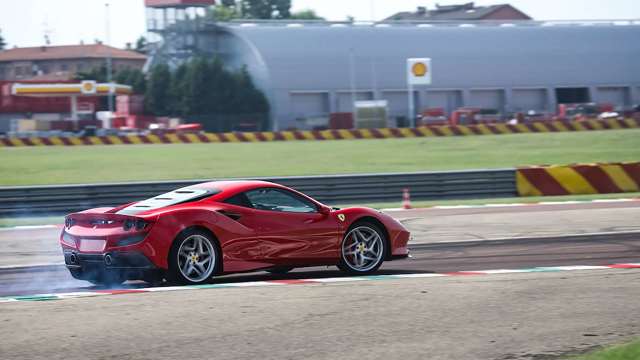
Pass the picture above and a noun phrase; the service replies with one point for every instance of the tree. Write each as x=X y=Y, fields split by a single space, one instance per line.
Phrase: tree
x=223 y=13
x=157 y=96
x=98 y=74
x=196 y=87
x=3 y=44
x=141 y=45
x=134 y=78
x=250 y=100
x=203 y=90
x=307 y=14
x=266 y=9
x=177 y=91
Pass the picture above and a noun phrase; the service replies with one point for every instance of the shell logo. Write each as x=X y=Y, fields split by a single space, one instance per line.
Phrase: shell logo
x=88 y=87
x=419 y=69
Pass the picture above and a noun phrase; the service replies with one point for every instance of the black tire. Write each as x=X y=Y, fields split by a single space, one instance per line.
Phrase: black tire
x=384 y=243
x=175 y=275
x=280 y=270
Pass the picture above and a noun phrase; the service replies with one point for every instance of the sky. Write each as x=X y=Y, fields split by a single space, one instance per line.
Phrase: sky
x=25 y=22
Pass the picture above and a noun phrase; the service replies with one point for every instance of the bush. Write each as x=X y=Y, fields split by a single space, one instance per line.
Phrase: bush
x=204 y=87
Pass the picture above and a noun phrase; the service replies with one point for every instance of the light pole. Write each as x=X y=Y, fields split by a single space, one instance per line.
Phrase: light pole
x=109 y=59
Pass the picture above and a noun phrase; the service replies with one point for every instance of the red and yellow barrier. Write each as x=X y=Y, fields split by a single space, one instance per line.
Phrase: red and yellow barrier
x=578 y=179
x=235 y=137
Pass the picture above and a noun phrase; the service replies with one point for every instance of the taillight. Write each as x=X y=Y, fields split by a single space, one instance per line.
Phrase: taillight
x=68 y=239
x=69 y=222
x=128 y=225
x=138 y=224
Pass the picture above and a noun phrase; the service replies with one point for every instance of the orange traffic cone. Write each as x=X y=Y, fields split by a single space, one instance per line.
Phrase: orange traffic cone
x=406 y=199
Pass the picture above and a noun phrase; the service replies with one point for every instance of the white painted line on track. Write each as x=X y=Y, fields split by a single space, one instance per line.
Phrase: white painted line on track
x=251 y=283
x=17 y=267
x=417 y=276
x=29 y=227
x=503 y=271
x=72 y=295
x=498 y=205
x=339 y=279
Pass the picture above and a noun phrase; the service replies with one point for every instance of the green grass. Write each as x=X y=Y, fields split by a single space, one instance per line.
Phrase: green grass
x=629 y=351
x=54 y=220
x=89 y=164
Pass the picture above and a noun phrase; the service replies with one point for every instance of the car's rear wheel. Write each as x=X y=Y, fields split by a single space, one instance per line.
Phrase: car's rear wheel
x=280 y=270
x=363 y=249
x=194 y=258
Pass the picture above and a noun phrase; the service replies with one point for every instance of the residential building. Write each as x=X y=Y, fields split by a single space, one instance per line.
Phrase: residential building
x=63 y=62
x=462 y=12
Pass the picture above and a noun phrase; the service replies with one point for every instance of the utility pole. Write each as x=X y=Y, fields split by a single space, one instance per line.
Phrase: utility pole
x=109 y=56
x=352 y=80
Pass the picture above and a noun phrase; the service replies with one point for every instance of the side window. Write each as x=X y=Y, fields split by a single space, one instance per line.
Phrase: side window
x=279 y=200
x=239 y=200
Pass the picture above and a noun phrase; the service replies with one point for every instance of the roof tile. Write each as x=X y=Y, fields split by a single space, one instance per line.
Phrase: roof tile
x=68 y=52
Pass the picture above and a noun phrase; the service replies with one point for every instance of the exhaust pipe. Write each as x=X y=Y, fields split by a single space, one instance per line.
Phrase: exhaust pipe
x=108 y=260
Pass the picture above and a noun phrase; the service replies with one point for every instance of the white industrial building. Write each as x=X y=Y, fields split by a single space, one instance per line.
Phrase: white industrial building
x=312 y=69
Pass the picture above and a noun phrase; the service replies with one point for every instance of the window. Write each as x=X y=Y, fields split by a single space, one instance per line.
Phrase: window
x=239 y=200
x=279 y=200
x=572 y=95
x=64 y=67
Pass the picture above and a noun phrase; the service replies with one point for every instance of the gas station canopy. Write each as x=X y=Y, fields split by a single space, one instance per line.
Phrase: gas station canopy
x=85 y=88
x=178 y=3
x=72 y=91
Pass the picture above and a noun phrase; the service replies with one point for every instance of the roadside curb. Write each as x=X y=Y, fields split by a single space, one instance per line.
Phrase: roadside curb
x=419 y=246
x=8 y=269
x=569 y=237
x=322 y=135
x=498 y=205
x=314 y=282
x=30 y=227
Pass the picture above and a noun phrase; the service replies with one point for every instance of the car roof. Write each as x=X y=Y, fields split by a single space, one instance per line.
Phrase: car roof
x=235 y=186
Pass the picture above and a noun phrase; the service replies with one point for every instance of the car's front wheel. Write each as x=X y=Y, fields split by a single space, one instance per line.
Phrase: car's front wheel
x=194 y=258
x=363 y=249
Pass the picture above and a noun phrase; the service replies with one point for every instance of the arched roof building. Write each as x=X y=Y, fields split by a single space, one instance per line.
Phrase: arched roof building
x=309 y=70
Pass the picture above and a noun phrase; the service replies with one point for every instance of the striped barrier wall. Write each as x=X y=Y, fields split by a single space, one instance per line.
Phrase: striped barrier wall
x=578 y=179
x=343 y=134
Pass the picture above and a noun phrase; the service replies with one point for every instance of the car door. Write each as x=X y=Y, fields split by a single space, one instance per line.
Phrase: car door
x=291 y=228
x=243 y=250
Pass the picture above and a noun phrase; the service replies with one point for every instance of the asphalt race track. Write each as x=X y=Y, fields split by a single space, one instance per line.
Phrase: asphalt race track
x=425 y=307
x=426 y=258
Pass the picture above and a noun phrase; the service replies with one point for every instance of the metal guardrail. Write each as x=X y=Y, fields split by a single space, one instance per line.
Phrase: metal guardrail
x=331 y=189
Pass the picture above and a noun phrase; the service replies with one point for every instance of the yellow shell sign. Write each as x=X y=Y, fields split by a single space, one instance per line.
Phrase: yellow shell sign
x=88 y=87
x=419 y=69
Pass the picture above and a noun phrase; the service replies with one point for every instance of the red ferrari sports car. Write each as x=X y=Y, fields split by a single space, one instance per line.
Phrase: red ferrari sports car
x=191 y=234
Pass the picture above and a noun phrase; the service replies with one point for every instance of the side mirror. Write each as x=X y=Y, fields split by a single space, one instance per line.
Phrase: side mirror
x=324 y=210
